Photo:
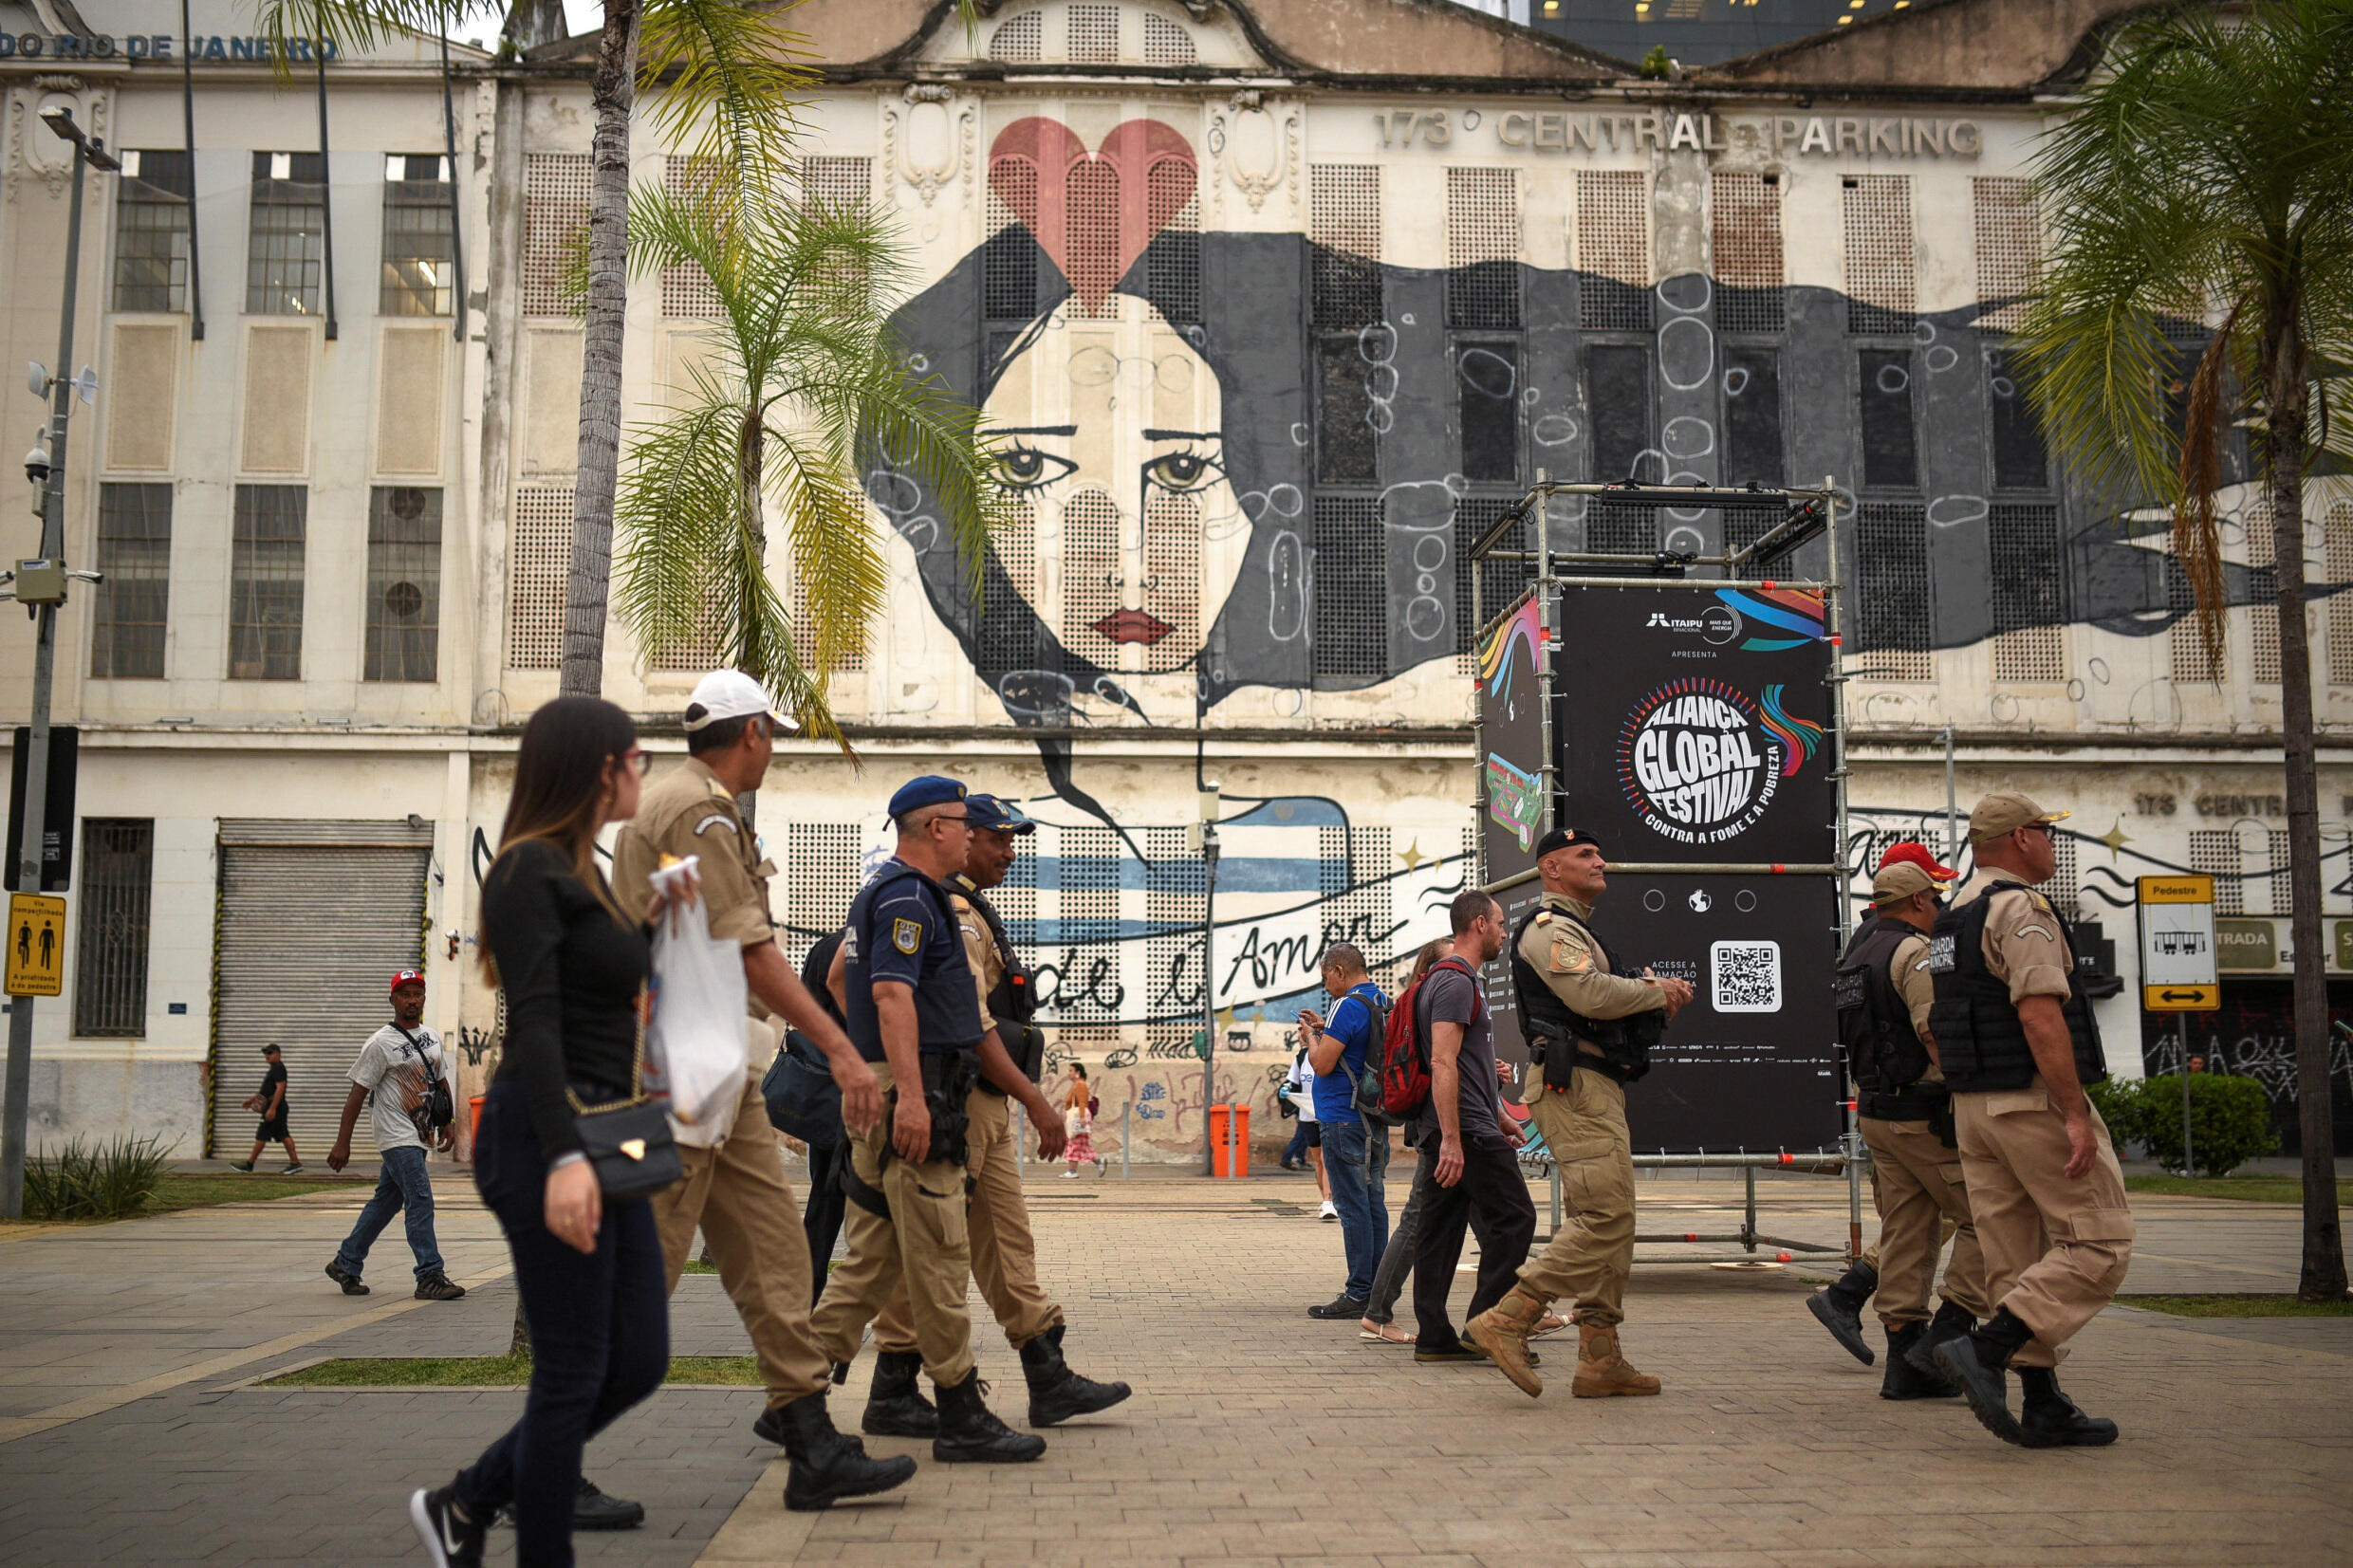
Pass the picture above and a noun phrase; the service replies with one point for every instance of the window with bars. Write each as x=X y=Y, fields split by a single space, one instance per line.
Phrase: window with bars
x=1752 y=442
x=1617 y=403
x=1892 y=604
x=150 y=230
x=1882 y=262
x=1613 y=250
x=1008 y=630
x=2337 y=539
x=1483 y=248
x=555 y=223
x=1890 y=454
x=2213 y=852
x=1094 y=38
x=539 y=559
x=420 y=261
x=1166 y=44
x=1172 y=585
x=285 y=244
x=2020 y=460
x=2009 y=247
x=2028 y=591
x=1486 y=382
x=686 y=291
x=1744 y=231
x=1349 y=586
x=134 y=596
x=2263 y=617
x=1091 y=575
x=1019 y=40
x=110 y=961
x=403 y=583
x=266 y=582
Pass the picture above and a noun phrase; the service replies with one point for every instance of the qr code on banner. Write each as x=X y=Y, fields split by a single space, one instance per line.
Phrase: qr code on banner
x=1747 y=976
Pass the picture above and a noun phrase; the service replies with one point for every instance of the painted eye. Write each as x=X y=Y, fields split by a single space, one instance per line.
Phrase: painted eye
x=1021 y=467
x=1180 y=471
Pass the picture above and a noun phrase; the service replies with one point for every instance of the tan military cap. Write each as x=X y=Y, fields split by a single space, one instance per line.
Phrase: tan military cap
x=1901 y=880
x=2005 y=811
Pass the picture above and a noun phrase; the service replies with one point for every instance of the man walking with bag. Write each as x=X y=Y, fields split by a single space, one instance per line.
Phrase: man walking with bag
x=398 y=1077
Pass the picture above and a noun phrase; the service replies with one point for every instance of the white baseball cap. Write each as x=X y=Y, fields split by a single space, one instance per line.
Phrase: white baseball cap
x=730 y=694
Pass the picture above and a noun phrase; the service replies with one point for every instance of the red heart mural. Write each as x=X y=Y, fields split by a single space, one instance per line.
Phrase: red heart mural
x=1093 y=214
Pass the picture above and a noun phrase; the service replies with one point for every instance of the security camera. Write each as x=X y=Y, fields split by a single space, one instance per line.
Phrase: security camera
x=37 y=466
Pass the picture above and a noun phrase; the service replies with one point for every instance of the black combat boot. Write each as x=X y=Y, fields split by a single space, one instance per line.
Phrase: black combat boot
x=2051 y=1420
x=828 y=1466
x=1056 y=1393
x=970 y=1435
x=1976 y=1360
x=1904 y=1379
x=1839 y=1308
x=1951 y=1323
x=895 y=1407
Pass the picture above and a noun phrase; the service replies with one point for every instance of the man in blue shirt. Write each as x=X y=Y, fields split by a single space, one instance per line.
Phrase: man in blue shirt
x=1356 y=1156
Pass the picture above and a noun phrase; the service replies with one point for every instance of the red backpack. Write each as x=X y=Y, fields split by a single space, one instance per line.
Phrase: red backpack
x=1404 y=1058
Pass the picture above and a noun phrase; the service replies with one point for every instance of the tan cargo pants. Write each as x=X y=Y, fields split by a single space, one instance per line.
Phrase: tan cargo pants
x=2056 y=1250
x=1004 y=1253
x=737 y=1193
x=1917 y=1186
x=1590 y=1256
x=923 y=1249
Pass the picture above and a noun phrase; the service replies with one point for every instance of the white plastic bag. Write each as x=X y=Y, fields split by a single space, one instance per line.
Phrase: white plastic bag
x=694 y=1046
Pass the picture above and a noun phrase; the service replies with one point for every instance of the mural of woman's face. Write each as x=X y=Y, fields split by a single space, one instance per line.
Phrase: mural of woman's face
x=1110 y=429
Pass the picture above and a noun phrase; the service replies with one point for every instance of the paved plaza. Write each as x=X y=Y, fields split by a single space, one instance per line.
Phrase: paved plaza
x=132 y=1430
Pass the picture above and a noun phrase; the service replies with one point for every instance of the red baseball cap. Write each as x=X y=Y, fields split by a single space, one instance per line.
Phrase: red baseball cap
x=408 y=977
x=1917 y=855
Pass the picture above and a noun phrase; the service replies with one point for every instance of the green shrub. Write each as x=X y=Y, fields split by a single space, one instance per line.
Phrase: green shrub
x=2121 y=1106
x=2230 y=1121
x=108 y=1181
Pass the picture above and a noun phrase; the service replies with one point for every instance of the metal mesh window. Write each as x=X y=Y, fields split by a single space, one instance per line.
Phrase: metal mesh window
x=150 y=230
x=266 y=582
x=2213 y=852
x=110 y=965
x=1343 y=220
x=135 y=561
x=1617 y=401
x=419 y=270
x=555 y=223
x=1091 y=231
x=1349 y=586
x=1487 y=404
x=1087 y=873
x=1008 y=630
x=1094 y=35
x=1613 y=250
x=1890 y=454
x=404 y=583
x=1166 y=44
x=821 y=877
x=1745 y=225
x=1892 y=604
x=1019 y=40
x=2009 y=247
x=539 y=559
x=1500 y=580
x=1173 y=262
x=1173 y=576
x=2065 y=889
x=707 y=654
x=2020 y=460
x=1881 y=257
x=2337 y=534
x=685 y=290
x=2029 y=593
x=1347 y=449
x=2263 y=615
x=286 y=244
x=2186 y=657
x=1614 y=527
x=1009 y=262
x=1090 y=574
x=1483 y=248
x=1753 y=444
x=2283 y=885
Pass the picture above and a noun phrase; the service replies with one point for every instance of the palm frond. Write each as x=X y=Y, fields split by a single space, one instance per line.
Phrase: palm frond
x=727 y=81
x=353 y=24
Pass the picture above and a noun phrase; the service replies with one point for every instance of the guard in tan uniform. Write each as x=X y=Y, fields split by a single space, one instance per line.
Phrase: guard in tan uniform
x=2018 y=1046
x=1594 y=1025
x=1906 y=1117
x=735 y=1190
x=1004 y=1253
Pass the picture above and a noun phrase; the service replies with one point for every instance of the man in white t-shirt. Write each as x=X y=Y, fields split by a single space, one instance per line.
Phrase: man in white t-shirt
x=398 y=1071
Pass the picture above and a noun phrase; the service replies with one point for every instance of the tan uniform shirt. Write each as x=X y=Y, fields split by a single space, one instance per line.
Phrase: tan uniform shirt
x=689 y=812
x=1908 y=970
x=1577 y=971
x=2023 y=944
x=980 y=950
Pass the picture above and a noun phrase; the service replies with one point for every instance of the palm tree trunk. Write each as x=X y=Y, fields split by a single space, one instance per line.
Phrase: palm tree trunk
x=2322 y=1275
x=613 y=93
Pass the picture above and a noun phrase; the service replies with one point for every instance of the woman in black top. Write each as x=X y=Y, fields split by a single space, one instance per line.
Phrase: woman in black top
x=590 y=1273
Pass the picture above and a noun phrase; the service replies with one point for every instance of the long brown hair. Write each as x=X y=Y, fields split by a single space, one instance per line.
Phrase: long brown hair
x=559 y=786
x=1427 y=958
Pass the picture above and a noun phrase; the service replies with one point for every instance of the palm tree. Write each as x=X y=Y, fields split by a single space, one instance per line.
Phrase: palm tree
x=804 y=386
x=2209 y=173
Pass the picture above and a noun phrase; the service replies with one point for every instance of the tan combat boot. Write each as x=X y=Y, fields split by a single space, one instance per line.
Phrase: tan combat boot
x=1502 y=1331
x=1601 y=1370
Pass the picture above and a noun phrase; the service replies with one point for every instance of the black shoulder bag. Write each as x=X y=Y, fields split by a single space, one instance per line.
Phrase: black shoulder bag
x=628 y=1141
x=441 y=1108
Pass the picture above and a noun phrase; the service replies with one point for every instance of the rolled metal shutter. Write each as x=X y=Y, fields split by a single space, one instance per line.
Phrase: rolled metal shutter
x=315 y=917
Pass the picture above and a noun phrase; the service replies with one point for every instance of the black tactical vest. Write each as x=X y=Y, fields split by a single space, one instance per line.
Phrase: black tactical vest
x=1980 y=1038
x=1624 y=1043
x=1875 y=1026
x=947 y=1006
x=1013 y=1000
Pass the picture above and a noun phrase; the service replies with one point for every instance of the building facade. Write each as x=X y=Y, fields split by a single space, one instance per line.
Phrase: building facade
x=1276 y=304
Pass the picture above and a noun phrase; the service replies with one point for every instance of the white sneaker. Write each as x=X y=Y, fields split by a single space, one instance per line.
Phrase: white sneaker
x=1327 y=1211
x=1070 y=1175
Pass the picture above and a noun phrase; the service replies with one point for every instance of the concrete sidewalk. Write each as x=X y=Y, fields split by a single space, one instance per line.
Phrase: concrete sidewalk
x=132 y=1432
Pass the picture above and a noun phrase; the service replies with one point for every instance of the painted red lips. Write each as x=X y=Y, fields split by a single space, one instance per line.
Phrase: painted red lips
x=1134 y=626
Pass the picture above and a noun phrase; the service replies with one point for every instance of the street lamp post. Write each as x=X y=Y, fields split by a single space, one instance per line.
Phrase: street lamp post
x=1209 y=977
x=40 y=583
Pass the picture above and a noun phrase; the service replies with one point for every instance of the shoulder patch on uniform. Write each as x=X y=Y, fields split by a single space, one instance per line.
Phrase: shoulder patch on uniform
x=2031 y=930
x=906 y=935
x=718 y=819
x=1544 y=917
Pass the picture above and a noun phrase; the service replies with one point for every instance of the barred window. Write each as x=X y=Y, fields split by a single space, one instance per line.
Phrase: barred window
x=1486 y=385
x=1349 y=586
x=2213 y=852
x=1881 y=263
x=110 y=966
x=2020 y=460
x=404 y=583
x=1617 y=401
x=2029 y=593
x=1892 y=606
x=266 y=582
x=1613 y=250
x=539 y=562
x=2009 y=247
x=1483 y=248
x=286 y=248
x=555 y=223
x=420 y=263
x=1745 y=222
x=135 y=562
x=150 y=230
x=1891 y=454
x=1752 y=450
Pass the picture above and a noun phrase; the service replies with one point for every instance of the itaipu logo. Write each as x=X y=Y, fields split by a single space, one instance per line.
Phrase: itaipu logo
x=1700 y=761
x=1715 y=623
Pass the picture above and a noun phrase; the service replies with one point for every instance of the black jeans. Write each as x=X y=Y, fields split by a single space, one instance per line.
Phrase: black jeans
x=822 y=1215
x=599 y=1335
x=1492 y=1195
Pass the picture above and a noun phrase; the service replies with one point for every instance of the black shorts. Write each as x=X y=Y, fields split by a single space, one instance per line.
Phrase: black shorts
x=1315 y=1134
x=272 y=1131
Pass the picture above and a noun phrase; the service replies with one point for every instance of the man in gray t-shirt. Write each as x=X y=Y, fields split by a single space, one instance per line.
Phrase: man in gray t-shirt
x=398 y=1071
x=1471 y=1158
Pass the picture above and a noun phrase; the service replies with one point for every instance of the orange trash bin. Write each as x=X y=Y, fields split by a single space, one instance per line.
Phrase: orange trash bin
x=1229 y=1136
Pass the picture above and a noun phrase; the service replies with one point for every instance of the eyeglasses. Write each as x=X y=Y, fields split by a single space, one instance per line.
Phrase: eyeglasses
x=2046 y=829
x=959 y=819
x=635 y=760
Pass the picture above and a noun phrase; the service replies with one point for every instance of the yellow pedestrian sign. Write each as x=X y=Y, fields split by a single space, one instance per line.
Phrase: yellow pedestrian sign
x=36 y=941
x=2177 y=970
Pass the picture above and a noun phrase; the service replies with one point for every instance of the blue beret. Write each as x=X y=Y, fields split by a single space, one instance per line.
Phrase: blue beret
x=931 y=789
x=988 y=812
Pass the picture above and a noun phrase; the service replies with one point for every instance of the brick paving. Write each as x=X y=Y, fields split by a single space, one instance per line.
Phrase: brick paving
x=1258 y=1436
